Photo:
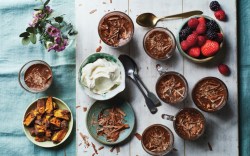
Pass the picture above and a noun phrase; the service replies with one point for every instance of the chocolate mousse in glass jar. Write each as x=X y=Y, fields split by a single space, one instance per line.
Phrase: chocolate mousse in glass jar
x=35 y=76
x=159 y=43
x=116 y=29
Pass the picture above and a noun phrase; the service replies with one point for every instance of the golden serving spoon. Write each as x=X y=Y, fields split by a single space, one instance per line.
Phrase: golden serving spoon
x=150 y=20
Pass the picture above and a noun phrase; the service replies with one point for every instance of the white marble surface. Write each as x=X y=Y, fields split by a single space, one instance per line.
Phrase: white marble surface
x=222 y=127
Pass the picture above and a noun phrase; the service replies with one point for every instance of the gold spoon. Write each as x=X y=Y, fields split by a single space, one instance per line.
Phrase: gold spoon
x=150 y=20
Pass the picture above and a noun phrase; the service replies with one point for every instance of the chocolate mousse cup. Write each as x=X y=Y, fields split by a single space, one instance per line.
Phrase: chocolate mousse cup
x=210 y=94
x=189 y=123
x=171 y=87
x=159 y=43
x=157 y=140
x=35 y=76
x=116 y=29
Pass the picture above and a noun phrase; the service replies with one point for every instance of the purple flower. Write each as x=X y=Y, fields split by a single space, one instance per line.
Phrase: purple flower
x=33 y=22
x=48 y=10
x=58 y=40
x=53 y=31
x=38 y=14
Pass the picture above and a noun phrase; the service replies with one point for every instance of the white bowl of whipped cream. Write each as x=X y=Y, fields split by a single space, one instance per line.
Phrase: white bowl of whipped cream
x=102 y=76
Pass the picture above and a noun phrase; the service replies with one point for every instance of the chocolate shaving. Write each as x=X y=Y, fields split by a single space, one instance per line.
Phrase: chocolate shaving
x=77 y=107
x=91 y=12
x=111 y=123
x=117 y=149
x=174 y=149
x=209 y=146
x=100 y=148
x=110 y=1
x=98 y=49
x=138 y=136
x=80 y=144
x=85 y=109
x=93 y=154
x=85 y=139
x=93 y=145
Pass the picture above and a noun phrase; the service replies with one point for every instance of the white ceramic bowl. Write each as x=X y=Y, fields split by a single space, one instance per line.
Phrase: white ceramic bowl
x=112 y=93
x=48 y=144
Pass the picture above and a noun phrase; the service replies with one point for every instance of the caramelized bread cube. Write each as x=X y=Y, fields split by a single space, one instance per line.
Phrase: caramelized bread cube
x=49 y=105
x=58 y=136
x=48 y=133
x=29 y=118
x=40 y=130
x=64 y=124
x=40 y=138
x=56 y=122
x=38 y=122
x=55 y=106
x=40 y=106
x=63 y=114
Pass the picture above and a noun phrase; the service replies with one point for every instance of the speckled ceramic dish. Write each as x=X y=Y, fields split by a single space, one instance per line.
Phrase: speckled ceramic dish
x=196 y=60
x=99 y=106
x=110 y=94
x=48 y=144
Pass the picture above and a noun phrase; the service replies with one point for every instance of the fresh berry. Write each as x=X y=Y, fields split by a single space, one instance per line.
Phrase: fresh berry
x=194 y=32
x=193 y=22
x=219 y=38
x=212 y=25
x=184 y=33
x=212 y=35
x=194 y=52
x=210 y=48
x=224 y=69
x=220 y=15
x=202 y=20
x=184 y=45
x=192 y=39
x=214 y=6
x=201 y=40
x=201 y=28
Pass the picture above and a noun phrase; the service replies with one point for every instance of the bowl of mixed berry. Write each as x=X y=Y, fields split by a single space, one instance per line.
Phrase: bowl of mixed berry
x=200 y=38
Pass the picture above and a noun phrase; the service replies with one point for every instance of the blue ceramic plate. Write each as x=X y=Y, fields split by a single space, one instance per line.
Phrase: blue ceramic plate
x=97 y=107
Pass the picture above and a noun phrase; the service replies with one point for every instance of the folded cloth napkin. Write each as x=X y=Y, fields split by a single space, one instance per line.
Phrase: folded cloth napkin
x=15 y=16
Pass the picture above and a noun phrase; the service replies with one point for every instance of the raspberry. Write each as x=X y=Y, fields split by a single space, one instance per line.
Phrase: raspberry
x=224 y=69
x=184 y=45
x=193 y=22
x=219 y=38
x=192 y=39
x=214 y=6
x=212 y=35
x=201 y=28
x=220 y=15
x=194 y=52
x=202 y=20
x=212 y=25
x=210 y=48
x=201 y=40
x=184 y=33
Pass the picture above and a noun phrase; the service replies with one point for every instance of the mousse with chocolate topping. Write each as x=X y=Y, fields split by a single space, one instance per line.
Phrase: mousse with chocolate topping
x=38 y=77
x=157 y=139
x=116 y=29
x=210 y=94
x=171 y=87
x=159 y=43
x=189 y=124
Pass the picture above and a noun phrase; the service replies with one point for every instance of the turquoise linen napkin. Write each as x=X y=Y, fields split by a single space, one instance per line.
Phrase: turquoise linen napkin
x=15 y=16
x=244 y=77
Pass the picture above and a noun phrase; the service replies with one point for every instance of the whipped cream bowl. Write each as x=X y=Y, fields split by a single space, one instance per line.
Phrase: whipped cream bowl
x=102 y=76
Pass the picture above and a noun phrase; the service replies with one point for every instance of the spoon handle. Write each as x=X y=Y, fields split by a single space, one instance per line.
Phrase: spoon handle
x=184 y=15
x=149 y=102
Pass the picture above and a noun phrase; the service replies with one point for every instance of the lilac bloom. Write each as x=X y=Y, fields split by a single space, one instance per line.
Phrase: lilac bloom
x=48 y=10
x=33 y=22
x=58 y=40
x=53 y=31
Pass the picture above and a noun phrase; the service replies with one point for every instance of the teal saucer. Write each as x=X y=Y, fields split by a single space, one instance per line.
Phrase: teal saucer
x=97 y=107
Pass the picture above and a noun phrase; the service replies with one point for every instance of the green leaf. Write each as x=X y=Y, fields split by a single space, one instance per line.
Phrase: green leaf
x=24 y=34
x=59 y=19
x=46 y=3
x=31 y=30
x=25 y=41
x=33 y=38
x=39 y=8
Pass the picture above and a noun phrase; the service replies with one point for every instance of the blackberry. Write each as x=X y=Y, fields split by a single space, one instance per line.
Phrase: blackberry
x=214 y=6
x=184 y=33
x=212 y=35
x=212 y=25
